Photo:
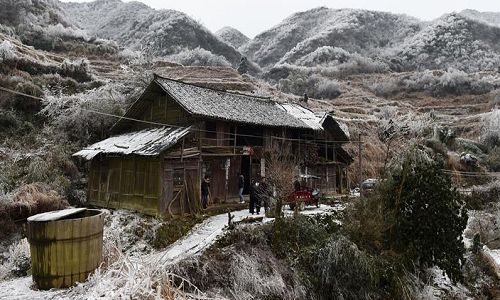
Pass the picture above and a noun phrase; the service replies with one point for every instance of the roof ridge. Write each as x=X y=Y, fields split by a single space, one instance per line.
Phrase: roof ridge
x=211 y=88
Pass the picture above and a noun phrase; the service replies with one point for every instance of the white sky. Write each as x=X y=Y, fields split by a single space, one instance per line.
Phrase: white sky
x=254 y=16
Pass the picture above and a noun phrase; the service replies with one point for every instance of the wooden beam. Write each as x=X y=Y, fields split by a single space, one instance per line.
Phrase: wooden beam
x=221 y=154
x=120 y=183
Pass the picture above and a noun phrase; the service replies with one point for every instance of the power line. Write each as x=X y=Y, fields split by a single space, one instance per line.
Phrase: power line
x=183 y=127
x=471 y=174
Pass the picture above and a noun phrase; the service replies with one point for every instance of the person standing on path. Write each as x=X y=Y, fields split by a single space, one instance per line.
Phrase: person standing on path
x=205 y=190
x=241 y=186
x=253 y=190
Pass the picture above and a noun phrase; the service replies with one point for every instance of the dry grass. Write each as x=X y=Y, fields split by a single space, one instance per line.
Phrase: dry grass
x=123 y=277
x=37 y=198
x=26 y=201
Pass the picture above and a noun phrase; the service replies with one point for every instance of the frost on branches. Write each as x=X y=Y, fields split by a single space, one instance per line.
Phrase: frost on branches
x=7 y=51
x=491 y=128
x=199 y=57
x=79 y=115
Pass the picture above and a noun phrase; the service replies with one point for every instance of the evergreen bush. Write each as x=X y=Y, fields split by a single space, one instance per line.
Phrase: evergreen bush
x=426 y=216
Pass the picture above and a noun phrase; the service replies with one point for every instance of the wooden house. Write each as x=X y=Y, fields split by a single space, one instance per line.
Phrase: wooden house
x=177 y=132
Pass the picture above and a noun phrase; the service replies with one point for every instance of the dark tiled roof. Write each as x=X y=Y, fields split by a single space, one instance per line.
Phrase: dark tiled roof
x=229 y=106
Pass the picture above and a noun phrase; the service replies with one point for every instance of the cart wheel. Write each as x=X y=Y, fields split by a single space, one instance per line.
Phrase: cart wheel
x=302 y=206
x=318 y=203
x=292 y=206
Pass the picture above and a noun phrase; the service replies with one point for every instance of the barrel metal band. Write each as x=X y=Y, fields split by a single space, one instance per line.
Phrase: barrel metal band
x=49 y=241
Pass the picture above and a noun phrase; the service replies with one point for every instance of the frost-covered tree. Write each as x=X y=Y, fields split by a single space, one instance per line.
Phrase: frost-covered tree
x=281 y=169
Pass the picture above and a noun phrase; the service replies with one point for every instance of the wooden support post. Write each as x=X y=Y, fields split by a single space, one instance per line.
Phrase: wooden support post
x=199 y=143
x=299 y=144
x=283 y=135
x=347 y=178
x=120 y=190
x=360 y=167
x=326 y=149
x=226 y=178
x=235 y=138
x=182 y=150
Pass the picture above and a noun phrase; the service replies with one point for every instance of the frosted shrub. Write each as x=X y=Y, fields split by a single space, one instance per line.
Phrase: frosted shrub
x=67 y=32
x=78 y=69
x=491 y=128
x=339 y=270
x=106 y=46
x=72 y=114
x=199 y=57
x=129 y=54
x=334 y=61
x=27 y=104
x=384 y=88
x=38 y=170
x=314 y=85
x=18 y=260
x=387 y=112
x=436 y=83
x=8 y=121
x=257 y=273
x=327 y=89
x=453 y=78
x=7 y=51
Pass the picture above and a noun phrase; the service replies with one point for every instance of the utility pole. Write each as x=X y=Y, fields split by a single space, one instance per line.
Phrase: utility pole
x=360 y=145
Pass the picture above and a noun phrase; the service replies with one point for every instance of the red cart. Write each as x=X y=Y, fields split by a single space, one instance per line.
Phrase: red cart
x=303 y=198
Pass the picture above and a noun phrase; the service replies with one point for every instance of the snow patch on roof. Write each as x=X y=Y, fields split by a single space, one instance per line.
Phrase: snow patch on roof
x=303 y=114
x=148 y=142
x=344 y=127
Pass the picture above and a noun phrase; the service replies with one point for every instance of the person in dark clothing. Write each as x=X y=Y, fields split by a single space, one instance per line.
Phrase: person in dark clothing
x=258 y=198
x=296 y=185
x=241 y=186
x=253 y=196
x=205 y=190
x=264 y=193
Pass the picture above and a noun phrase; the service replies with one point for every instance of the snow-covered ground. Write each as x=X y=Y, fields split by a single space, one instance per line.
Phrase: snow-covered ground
x=198 y=239
x=20 y=289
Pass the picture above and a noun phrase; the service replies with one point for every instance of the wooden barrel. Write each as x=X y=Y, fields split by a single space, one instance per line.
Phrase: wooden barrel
x=65 y=246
